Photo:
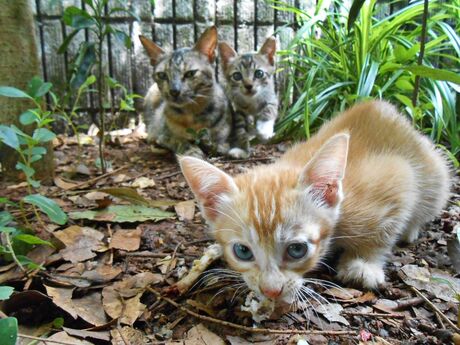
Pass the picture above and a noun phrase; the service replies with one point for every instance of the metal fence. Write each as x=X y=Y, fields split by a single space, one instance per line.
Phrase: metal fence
x=170 y=23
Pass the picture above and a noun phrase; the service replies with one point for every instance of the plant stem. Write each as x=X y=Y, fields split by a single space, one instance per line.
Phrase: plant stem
x=422 y=52
x=13 y=255
x=101 y=106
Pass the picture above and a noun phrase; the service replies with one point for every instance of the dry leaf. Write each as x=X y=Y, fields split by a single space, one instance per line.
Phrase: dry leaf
x=94 y=196
x=64 y=338
x=343 y=293
x=332 y=312
x=200 y=335
x=102 y=274
x=185 y=210
x=166 y=263
x=82 y=169
x=89 y=307
x=80 y=242
x=122 y=299
x=143 y=182
x=135 y=337
x=128 y=240
x=102 y=335
x=63 y=184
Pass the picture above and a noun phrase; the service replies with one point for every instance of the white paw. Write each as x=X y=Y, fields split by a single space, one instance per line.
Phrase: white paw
x=366 y=273
x=265 y=129
x=238 y=153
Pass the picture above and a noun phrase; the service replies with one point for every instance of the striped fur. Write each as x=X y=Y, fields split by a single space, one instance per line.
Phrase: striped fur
x=186 y=111
x=250 y=88
x=366 y=180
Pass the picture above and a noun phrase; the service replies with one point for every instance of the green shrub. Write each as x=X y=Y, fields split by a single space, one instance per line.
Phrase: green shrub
x=377 y=58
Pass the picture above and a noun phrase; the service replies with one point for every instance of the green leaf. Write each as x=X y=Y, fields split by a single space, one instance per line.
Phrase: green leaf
x=77 y=18
x=28 y=171
x=33 y=183
x=58 y=322
x=83 y=64
x=31 y=239
x=5 y=292
x=9 y=137
x=7 y=229
x=8 y=91
x=25 y=261
x=8 y=331
x=47 y=206
x=5 y=218
x=43 y=135
x=28 y=117
x=67 y=40
x=37 y=87
x=123 y=213
x=37 y=150
x=434 y=73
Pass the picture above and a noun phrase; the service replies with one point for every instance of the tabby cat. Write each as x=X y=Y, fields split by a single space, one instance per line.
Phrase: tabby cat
x=250 y=88
x=186 y=111
x=366 y=180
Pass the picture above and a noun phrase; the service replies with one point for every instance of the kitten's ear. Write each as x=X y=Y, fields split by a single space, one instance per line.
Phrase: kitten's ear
x=153 y=51
x=226 y=53
x=208 y=183
x=207 y=43
x=269 y=49
x=324 y=173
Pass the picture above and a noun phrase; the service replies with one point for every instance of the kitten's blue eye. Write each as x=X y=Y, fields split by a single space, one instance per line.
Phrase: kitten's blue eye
x=242 y=252
x=237 y=76
x=162 y=76
x=297 y=250
x=258 y=73
x=190 y=74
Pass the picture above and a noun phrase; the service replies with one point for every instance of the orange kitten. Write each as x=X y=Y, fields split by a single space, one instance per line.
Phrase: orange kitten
x=366 y=180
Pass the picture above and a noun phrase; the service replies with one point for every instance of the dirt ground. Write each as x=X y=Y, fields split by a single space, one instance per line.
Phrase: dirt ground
x=105 y=275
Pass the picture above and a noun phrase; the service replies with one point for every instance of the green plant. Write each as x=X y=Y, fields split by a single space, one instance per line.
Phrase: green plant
x=90 y=53
x=377 y=59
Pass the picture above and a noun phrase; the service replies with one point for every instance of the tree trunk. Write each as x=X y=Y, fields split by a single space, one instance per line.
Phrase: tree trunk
x=18 y=64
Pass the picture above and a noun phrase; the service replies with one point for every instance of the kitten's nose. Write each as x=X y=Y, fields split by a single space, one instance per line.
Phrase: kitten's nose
x=174 y=92
x=271 y=292
x=248 y=87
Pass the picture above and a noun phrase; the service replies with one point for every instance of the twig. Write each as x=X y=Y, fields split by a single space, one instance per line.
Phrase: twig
x=90 y=181
x=174 y=173
x=244 y=328
x=173 y=256
x=410 y=302
x=389 y=315
x=122 y=336
x=45 y=340
x=435 y=309
x=380 y=339
x=161 y=255
x=255 y=159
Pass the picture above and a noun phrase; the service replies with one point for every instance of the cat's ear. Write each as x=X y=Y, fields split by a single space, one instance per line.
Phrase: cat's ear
x=208 y=183
x=207 y=43
x=324 y=173
x=269 y=49
x=153 y=51
x=226 y=53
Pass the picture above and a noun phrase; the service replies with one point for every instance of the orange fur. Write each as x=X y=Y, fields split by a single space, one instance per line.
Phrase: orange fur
x=365 y=180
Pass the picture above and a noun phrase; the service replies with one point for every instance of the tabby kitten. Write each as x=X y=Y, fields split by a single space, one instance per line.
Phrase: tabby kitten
x=250 y=88
x=366 y=180
x=185 y=102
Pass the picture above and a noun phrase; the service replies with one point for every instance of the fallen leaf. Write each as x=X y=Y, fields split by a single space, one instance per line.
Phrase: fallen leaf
x=185 y=210
x=128 y=240
x=332 y=312
x=135 y=337
x=101 y=335
x=63 y=184
x=17 y=186
x=102 y=274
x=200 y=335
x=128 y=194
x=88 y=307
x=343 y=293
x=119 y=178
x=83 y=169
x=143 y=182
x=453 y=249
x=438 y=284
x=95 y=196
x=80 y=242
x=123 y=213
x=122 y=299
x=63 y=337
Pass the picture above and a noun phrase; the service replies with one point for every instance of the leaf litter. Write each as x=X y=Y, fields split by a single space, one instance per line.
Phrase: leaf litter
x=139 y=229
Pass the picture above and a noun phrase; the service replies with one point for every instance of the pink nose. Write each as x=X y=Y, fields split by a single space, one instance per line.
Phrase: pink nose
x=271 y=293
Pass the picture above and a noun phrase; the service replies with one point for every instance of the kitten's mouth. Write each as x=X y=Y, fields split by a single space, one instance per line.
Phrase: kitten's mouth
x=250 y=92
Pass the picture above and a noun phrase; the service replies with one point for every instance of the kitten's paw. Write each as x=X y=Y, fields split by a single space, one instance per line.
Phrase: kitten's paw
x=358 y=271
x=238 y=153
x=194 y=151
x=265 y=130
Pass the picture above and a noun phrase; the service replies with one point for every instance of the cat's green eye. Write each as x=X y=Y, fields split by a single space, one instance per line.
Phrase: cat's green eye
x=237 y=76
x=242 y=252
x=297 y=250
x=258 y=73
x=190 y=74
x=162 y=76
